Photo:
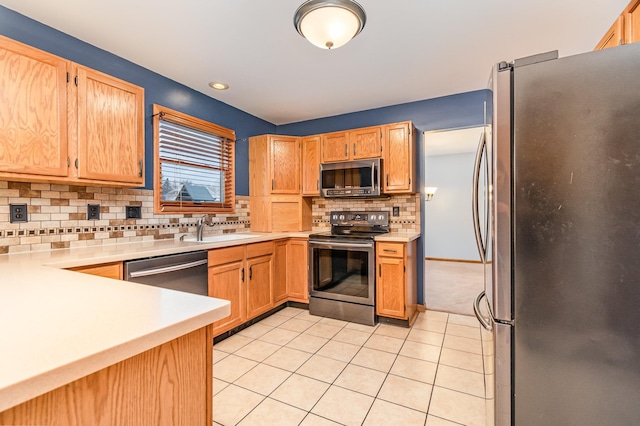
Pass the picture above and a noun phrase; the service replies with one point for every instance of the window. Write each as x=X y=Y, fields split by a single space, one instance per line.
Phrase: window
x=194 y=164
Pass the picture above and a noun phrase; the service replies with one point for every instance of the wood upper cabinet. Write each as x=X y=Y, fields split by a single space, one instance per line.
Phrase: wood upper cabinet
x=625 y=29
x=274 y=165
x=110 y=128
x=396 y=286
x=399 y=159
x=613 y=37
x=632 y=22
x=311 y=166
x=62 y=122
x=33 y=111
x=297 y=270
x=352 y=145
x=366 y=142
x=335 y=147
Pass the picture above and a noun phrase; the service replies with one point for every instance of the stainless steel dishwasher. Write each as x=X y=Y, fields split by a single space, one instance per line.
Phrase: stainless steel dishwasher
x=183 y=272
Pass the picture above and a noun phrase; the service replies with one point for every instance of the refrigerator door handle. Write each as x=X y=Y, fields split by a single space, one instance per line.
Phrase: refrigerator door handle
x=476 y=310
x=474 y=202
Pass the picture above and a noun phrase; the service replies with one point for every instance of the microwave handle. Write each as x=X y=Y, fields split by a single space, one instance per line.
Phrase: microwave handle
x=373 y=174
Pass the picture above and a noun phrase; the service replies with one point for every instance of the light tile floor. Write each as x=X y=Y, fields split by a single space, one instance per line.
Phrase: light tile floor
x=294 y=368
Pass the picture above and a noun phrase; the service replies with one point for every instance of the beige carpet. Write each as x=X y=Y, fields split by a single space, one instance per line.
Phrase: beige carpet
x=452 y=286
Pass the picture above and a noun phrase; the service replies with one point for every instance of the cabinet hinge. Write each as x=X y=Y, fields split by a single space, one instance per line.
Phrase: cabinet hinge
x=68 y=77
x=404 y=269
x=68 y=162
x=76 y=80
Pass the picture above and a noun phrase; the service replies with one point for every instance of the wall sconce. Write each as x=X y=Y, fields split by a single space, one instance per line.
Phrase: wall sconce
x=429 y=191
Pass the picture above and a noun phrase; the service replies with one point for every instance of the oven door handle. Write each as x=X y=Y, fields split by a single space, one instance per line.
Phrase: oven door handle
x=345 y=245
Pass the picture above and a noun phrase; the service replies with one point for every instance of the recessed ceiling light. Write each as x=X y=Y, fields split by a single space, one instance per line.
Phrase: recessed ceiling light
x=219 y=86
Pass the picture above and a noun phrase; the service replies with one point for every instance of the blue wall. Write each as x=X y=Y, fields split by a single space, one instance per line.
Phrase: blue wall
x=157 y=89
x=448 y=218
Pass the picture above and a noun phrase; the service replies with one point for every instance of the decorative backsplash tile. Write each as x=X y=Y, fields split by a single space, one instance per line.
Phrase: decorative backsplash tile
x=409 y=205
x=58 y=217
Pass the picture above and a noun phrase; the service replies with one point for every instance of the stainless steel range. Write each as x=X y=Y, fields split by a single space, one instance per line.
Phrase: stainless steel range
x=342 y=266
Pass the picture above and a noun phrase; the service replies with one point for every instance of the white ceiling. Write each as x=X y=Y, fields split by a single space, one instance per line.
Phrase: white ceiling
x=409 y=50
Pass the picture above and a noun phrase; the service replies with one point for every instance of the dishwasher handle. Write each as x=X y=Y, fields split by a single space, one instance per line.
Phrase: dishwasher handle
x=166 y=269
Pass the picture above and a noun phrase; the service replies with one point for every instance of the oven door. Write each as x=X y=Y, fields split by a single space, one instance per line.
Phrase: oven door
x=342 y=271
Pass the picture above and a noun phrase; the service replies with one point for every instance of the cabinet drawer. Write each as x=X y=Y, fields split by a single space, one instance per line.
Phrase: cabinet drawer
x=390 y=249
x=259 y=249
x=226 y=255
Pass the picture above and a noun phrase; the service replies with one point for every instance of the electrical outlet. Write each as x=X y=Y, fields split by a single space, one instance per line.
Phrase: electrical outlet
x=133 y=212
x=93 y=211
x=18 y=213
x=396 y=211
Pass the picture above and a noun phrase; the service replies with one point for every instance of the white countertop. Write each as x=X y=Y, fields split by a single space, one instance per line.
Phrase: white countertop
x=57 y=326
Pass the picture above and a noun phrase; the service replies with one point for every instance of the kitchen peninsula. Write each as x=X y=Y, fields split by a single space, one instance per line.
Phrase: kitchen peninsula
x=82 y=349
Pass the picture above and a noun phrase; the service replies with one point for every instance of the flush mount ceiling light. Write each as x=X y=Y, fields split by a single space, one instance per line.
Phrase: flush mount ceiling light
x=218 y=85
x=329 y=24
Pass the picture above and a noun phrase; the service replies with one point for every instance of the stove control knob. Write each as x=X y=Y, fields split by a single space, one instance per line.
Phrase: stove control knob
x=334 y=217
x=341 y=217
x=380 y=218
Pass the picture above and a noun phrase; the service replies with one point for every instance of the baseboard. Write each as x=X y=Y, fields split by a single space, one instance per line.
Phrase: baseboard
x=453 y=260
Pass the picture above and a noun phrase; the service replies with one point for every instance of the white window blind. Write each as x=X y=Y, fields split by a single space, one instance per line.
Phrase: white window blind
x=196 y=166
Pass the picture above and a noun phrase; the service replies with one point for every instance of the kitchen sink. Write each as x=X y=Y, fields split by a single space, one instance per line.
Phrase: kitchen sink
x=220 y=238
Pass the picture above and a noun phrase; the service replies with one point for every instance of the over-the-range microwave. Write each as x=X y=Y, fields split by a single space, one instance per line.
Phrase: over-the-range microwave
x=357 y=178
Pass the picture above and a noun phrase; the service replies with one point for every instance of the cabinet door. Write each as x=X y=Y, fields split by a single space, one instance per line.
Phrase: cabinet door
x=259 y=283
x=614 y=36
x=226 y=282
x=33 y=111
x=366 y=143
x=390 y=287
x=110 y=128
x=311 y=166
x=632 y=22
x=398 y=164
x=285 y=165
x=297 y=270
x=280 y=271
x=335 y=147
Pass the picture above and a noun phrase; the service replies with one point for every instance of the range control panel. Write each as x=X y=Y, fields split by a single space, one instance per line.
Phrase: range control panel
x=380 y=218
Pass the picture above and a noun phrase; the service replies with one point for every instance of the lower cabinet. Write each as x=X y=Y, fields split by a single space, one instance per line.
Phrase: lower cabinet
x=107 y=270
x=244 y=276
x=297 y=270
x=396 y=286
x=280 y=272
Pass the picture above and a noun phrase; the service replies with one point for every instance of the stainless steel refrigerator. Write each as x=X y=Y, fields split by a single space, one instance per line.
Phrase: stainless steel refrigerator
x=560 y=237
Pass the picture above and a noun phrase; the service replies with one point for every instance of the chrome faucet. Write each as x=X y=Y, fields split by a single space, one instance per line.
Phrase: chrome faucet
x=204 y=220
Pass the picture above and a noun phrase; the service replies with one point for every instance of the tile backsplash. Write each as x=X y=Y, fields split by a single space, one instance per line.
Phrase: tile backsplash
x=58 y=216
x=408 y=221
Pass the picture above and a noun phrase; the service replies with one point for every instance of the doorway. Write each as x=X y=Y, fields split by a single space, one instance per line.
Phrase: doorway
x=453 y=272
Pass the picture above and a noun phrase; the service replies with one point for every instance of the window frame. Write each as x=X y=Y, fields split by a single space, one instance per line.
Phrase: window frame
x=186 y=207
